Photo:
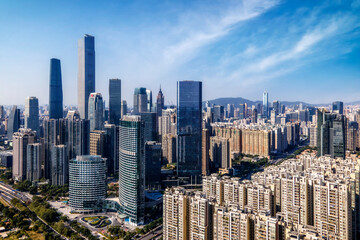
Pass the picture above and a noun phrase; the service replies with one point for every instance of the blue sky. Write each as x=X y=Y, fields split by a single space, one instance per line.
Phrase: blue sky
x=296 y=50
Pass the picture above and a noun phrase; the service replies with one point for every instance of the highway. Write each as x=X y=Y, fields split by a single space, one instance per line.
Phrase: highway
x=153 y=234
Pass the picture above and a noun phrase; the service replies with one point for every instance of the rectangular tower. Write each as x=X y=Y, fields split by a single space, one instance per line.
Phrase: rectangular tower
x=86 y=73
x=114 y=101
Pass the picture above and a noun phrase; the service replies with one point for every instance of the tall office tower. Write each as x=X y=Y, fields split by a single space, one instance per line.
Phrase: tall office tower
x=265 y=104
x=34 y=160
x=77 y=135
x=176 y=211
x=59 y=165
x=111 y=148
x=2 y=112
x=96 y=111
x=218 y=113
x=132 y=168
x=140 y=100
x=32 y=113
x=149 y=119
x=149 y=103
x=159 y=103
x=273 y=117
x=114 y=101
x=13 y=122
x=97 y=142
x=230 y=110
x=123 y=108
x=86 y=73
x=331 y=134
x=205 y=148
x=338 y=107
x=21 y=140
x=152 y=165
x=54 y=134
x=189 y=130
x=242 y=111
x=219 y=152
x=254 y=116
x=277 y=107
x=168 y=145
x=55 y=92
x=87 y=184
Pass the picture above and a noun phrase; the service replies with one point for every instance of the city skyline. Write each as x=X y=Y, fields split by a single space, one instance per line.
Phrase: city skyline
x=231 y=47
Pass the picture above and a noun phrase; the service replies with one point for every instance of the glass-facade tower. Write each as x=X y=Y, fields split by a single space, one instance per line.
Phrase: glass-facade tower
x=86 y=73
x=114 y=101
x=31 y=114
x=55 y=91
x=266 y=104
x=132 y=169
x=189 y=120
x=96 y=111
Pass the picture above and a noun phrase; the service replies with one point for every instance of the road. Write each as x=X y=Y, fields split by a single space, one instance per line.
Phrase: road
x=8 y=193
x=153 y=234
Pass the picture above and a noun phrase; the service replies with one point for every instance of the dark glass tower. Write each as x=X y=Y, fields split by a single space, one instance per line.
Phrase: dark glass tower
x=55 y=93
x=338 y=107
x=86 y=73
x=13 y=122
x=189 y=119
x=114 y=101
x=265 y=105
x=140 y=100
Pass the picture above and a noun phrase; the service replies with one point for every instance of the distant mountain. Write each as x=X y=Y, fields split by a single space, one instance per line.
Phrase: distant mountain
x=239 y=100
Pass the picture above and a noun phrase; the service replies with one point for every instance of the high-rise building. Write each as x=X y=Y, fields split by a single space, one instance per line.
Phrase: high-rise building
x=2 y=112
x=59 y=165
x=140 y=100
x=55 y=90
x=189 y=129
x=21 y=140
x=114 y=101
x=86 y=73
x=205 y=147
x=31 y=114
x=277 y=107
x=149 y=103
x=218 y=112
x=152 y=165
x=331 y=134
x=97 y=142
x=13 y=122
x=265 y=104
x=34 y=160
x=149 y=119
x=132 y=168
x=242 y=111
x=111 y=148
x=168 y=145
x=96 y=111
x=219 y=152
x=159 y=103
x=338 y=107
x=230 y=110
x=123 y=108
x=87 y=184
x=77 y=135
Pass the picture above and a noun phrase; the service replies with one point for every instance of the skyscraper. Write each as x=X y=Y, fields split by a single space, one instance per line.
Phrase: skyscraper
x=86 y=73
x=152 y=165
x=331 y=134
x=87 y=183
x=189 y=130
x=149 y=103
x=77 y=135
x=338 y=107
x=13 y=122
x=2 y=112
x=218 y=113
x=140 y=100
x=96 y=111
x=159 y=103
x=132 y=168
x=32 y=114
x=265 y=104
x=55 y=92
x=59 y=165
x=149 y=119
x=114 y=101
x=21 y=140
x=34 y=159
x=123 y=108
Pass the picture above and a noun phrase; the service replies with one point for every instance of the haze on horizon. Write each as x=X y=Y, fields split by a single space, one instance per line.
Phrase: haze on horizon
x=296 y=50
